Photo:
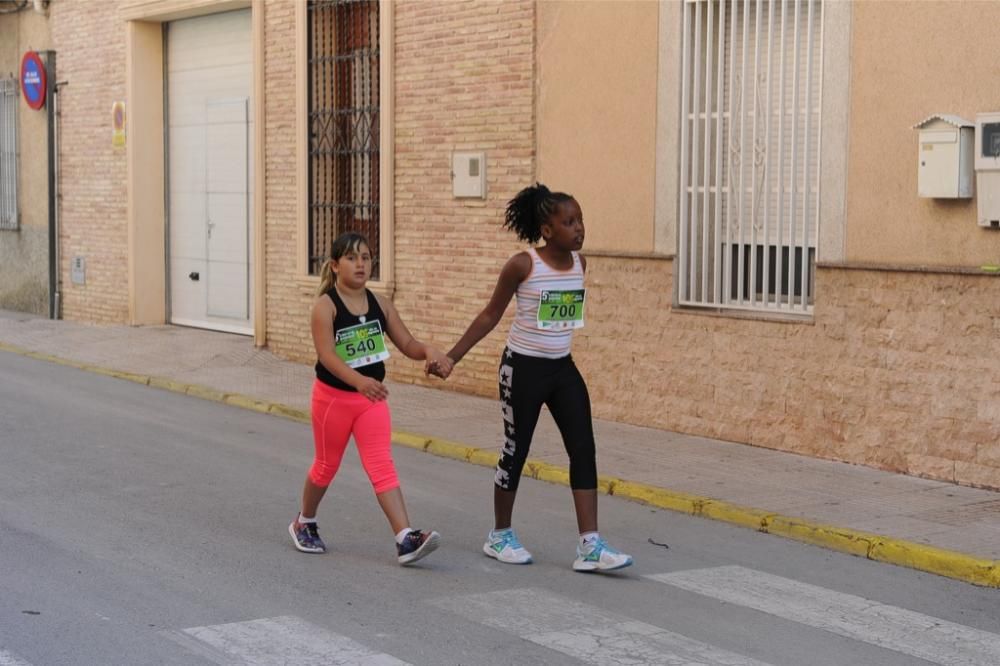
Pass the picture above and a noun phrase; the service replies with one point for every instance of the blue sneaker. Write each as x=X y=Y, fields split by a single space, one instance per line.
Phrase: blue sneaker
x=417 y=545
x=503 y=545
x=305 y=536
x=597 y=555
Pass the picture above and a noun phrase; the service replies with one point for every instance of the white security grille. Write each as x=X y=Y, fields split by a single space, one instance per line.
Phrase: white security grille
x=750 y=100
x=8 y=154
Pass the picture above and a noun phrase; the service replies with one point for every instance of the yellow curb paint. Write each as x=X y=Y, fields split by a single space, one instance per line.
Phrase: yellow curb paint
x=289 y=412
x=130 y=377
x=447 y=449
x=604 y=485
x=168 y=385
x=835 y=538
x=205 y=393
x=551 y=473
x=658 y=497
x=483 y=457
x=935 y=560
x=736 y=515
x=79 y=365
x=410 y=440
x=246 y=402
x=921 y=557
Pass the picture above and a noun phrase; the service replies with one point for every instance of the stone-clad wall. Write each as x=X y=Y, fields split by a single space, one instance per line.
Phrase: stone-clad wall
x=898 y=370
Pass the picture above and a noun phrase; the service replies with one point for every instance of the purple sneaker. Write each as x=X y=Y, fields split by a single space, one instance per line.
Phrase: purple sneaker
x=417 y=545
x=305 y=536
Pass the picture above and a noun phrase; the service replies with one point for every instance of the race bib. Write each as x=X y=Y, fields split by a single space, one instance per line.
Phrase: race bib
x=361 y=345
x=559 y=310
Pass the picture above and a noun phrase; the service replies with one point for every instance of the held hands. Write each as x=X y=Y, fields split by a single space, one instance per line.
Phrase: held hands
x=372 y=389
x=438 y=364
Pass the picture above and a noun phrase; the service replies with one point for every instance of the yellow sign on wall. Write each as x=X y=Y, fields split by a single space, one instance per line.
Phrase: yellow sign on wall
x=118 y=124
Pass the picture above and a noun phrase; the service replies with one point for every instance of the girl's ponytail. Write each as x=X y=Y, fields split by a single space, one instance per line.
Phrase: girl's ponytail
x=530 y=209
x=326 y=278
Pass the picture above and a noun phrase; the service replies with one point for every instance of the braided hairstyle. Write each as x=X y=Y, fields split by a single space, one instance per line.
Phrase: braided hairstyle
x=530 y=209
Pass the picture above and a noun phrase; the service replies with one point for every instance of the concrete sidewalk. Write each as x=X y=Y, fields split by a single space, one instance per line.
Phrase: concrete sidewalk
x=927 y=525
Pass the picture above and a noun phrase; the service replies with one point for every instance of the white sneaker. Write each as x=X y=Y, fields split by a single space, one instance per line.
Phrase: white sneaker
x=597 y=555
x=504 y=546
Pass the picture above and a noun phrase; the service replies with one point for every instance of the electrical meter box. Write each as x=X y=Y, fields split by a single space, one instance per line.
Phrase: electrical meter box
x=944 y=159
x=988 y=169
x=468 y=175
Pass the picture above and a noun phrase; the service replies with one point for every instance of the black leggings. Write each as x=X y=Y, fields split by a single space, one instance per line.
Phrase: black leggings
x=528 y=382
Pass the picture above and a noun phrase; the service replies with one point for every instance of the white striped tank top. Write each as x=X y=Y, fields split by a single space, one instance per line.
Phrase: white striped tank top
x=525 y=336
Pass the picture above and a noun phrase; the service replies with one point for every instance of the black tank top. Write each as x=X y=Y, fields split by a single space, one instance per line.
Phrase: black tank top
x=343 y=319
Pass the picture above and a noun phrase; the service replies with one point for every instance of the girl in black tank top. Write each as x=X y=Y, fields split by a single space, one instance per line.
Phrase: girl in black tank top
x=344 y=319
x=349 y=329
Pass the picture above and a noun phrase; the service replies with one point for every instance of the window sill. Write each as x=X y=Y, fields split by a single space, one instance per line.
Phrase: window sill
x=905 y=268
x=751 y=315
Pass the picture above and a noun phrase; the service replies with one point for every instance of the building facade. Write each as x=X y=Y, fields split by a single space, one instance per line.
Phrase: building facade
x=761 y=268
x=25 y=234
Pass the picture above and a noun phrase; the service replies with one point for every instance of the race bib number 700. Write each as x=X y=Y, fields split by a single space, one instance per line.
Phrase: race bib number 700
x=361 y=345
x=560 y=310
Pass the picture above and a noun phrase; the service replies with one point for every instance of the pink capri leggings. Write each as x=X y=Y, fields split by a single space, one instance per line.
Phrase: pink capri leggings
x=336 y=415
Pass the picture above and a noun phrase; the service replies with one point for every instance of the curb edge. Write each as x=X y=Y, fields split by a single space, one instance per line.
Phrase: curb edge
x=889 y=550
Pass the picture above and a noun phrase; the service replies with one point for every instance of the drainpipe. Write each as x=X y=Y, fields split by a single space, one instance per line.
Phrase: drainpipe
x=53 y=156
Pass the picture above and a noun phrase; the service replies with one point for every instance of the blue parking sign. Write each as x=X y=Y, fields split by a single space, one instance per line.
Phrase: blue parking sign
x=33 y=81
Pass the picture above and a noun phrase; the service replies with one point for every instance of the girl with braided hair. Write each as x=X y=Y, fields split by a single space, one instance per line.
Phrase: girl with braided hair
x=536 y=368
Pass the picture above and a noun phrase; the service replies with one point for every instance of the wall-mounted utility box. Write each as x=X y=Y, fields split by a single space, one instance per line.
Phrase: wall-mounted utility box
x=988 y=169
x=944 y=158
x=468 y=175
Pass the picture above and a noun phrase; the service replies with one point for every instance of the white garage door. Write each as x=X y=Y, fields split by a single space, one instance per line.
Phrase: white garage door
x=210 y=128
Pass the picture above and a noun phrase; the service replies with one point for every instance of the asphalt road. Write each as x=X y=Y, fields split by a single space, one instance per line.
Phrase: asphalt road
x=139 y=526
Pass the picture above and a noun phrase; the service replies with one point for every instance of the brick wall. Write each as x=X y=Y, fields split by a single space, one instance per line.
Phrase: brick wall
x=288 y=304
x=464 y=81
x=90 y=43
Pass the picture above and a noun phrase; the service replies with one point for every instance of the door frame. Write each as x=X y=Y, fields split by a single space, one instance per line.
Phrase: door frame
x=145 y=153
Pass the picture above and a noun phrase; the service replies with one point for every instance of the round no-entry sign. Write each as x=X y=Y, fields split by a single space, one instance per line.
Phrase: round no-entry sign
x=33 y=80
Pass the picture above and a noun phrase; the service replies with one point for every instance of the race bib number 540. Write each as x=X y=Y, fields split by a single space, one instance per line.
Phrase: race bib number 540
x=361 y=345
x=559 y=310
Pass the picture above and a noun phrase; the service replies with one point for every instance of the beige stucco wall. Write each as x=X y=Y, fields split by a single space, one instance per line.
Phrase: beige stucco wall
x=910 y=60
x=24 y=278
x=596 y=87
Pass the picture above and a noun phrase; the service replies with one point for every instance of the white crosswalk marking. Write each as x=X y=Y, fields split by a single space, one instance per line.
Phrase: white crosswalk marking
x=10 y=659
x=286 y=640
x=585 y=632
x=905 y=631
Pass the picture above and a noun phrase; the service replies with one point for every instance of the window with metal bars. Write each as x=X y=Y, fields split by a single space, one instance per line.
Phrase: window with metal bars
x=9 y=218
x=749 y=204
x=343 y=124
